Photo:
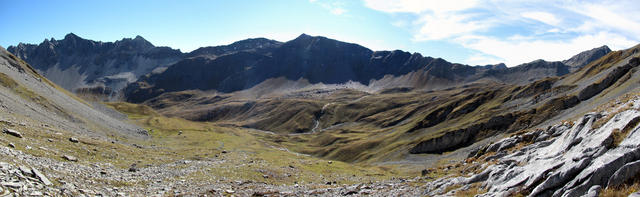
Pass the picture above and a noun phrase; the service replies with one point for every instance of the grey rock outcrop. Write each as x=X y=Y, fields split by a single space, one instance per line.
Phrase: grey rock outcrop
x=23 y=181
x=12 y=132
x=454 y=139
x=69 y=158
x=42 y=177
x=580 y=161
x=609 y=80
x=594 y=191
x=625 y=173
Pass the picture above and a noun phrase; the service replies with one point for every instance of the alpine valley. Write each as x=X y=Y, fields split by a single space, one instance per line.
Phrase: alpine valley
x=312 y=116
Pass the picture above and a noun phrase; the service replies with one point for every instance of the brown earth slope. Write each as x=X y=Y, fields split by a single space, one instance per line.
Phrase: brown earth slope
x=357 y=123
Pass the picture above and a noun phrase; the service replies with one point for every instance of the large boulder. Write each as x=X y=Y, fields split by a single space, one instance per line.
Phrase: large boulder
x=12 y=132
x=626 y=172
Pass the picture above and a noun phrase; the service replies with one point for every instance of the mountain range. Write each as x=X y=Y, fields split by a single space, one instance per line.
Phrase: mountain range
x=78 y=64
x=105 y=69
x=327 y=61
x=312 y=116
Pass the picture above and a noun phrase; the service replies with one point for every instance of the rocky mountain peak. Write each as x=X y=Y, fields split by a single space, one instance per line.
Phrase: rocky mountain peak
x=257 y=45
x=317 y=44
x=138 y=37
x=494 y=66
x=499 y=66
x=72 y=36
x=584 y=58
x=140 y=40
x=137 y=43
x=304 y=36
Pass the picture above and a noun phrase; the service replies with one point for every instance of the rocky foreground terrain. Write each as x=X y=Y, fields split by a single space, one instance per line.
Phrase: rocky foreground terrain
x=73 y=179
x=601 y=150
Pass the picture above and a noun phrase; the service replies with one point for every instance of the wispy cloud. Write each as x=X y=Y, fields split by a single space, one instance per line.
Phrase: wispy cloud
x=516 y=32
x=513 y=51
x=419 y=6
x=436 y=19
x=338 y=10
x=442 y=26
x=544 y=17
x=334 y=7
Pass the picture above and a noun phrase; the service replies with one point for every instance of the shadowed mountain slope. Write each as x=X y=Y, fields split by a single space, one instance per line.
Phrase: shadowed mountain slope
x=327 y=61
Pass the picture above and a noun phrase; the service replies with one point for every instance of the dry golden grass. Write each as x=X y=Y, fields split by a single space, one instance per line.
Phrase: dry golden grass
x=7 y=82
x=623 y=191
x=472 y=191
x=620 y=135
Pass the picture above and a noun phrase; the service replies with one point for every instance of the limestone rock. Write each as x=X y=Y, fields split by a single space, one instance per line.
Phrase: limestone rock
x=623 y=174
x=15 y=185
x=69 y=158
x=12 y=132
x=42 y=178
x=568 y=161
x=26 y=171
x=594 y=191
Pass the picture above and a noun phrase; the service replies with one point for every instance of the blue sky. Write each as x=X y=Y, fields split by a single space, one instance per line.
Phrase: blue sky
x=474 y=32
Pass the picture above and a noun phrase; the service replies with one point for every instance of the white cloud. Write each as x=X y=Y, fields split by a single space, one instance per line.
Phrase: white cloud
x=418 y=6
x=517 y=51
x=481 y=59
x=338 y=11
x=400 y=23
x=436 y=27
x=544 y=17
x=496 y=29
x=554 y=30
x=611 y=16
x=437 y=19
x=334 y=7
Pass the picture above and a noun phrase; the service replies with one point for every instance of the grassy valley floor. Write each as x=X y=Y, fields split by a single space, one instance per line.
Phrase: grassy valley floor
x=183 y=158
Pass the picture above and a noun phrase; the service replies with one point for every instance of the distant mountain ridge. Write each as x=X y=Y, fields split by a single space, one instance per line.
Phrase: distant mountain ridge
x=257 y=45
x=76 y=63
x=323 y=60
x=141 y=70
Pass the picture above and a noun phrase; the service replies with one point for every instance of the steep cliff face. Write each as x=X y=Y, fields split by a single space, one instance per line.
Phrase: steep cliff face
x=75 y=63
